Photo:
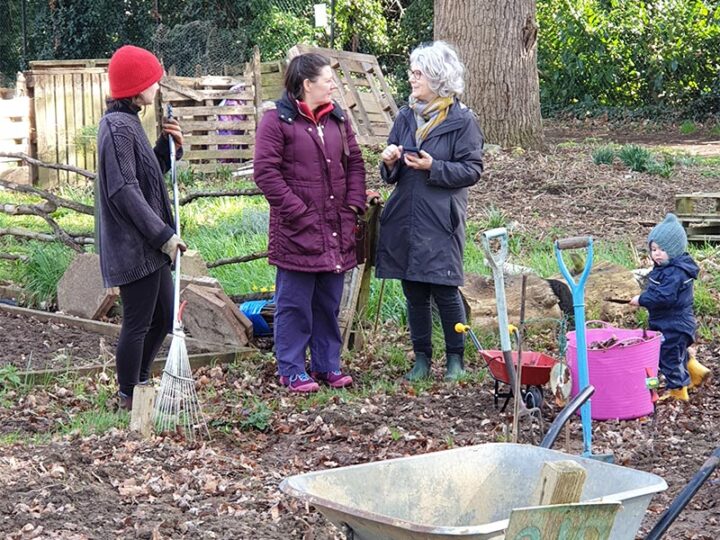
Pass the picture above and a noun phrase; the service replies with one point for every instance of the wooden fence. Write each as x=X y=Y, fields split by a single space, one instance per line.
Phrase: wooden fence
x=69 y=100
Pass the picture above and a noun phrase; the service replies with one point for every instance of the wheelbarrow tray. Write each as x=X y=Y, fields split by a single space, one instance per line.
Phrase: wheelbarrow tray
x=463 y=493
x=535 y=366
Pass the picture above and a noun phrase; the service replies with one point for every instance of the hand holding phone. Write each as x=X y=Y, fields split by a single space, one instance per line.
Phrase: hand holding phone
x=411 y=150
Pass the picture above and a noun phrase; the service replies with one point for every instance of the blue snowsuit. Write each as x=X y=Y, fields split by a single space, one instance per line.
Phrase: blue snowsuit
x=669 y=301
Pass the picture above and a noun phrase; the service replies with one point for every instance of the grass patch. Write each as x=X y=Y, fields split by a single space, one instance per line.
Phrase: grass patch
x=94 y=422
x=604 y=155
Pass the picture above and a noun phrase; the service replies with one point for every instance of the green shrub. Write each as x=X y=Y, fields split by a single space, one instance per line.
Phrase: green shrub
x=604 y=155
x=688 y=127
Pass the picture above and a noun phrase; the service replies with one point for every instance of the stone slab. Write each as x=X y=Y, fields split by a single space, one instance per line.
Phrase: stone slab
x=212 y=317
x=81 y=291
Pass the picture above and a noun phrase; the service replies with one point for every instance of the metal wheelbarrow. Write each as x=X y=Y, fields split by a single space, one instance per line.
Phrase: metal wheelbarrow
x=470 y=493
x=534 y=375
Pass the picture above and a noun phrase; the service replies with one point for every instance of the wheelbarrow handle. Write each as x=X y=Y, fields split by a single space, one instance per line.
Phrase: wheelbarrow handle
x=575 y=242
x=683 y=498
x=564 y=415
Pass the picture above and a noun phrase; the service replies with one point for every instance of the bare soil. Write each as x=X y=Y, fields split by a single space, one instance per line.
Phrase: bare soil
x=71 y=485
x=32 y=344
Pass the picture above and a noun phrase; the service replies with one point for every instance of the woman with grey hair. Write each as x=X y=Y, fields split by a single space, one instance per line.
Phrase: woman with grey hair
x=434 y=154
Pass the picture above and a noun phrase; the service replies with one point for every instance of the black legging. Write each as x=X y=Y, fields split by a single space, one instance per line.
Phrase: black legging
x=147 y=319
x=419 y=302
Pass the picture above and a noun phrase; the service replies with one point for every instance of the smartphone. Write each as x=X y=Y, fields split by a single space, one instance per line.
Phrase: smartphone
x=411 y=150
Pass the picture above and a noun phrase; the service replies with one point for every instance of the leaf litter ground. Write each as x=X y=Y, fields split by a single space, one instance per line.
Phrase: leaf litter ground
x=73 y=485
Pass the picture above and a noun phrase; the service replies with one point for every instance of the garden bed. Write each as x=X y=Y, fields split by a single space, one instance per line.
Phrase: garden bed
x=38 y=341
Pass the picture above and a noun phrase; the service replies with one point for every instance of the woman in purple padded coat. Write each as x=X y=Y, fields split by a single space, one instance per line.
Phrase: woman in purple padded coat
x=309 y=167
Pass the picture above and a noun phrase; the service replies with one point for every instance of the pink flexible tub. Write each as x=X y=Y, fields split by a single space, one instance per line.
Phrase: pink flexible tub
x=619 y=373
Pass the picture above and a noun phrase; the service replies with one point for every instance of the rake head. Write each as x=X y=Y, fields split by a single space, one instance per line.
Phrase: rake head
x=177 y=407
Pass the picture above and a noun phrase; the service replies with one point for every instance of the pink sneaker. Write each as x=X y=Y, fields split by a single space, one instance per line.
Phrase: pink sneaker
x=301 y=382
x=335 y=379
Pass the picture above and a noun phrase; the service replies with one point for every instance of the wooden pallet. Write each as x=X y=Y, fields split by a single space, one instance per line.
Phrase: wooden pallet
x=362 y=91
x=700 y=215
x=197 y=105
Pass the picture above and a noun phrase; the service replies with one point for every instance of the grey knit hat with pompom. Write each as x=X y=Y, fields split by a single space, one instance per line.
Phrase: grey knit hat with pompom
x=670 y=236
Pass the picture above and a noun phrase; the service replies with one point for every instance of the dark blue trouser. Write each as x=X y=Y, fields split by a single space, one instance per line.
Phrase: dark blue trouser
x=419 y=303
x=307 y=305
x=674 y=358
x=147 y=305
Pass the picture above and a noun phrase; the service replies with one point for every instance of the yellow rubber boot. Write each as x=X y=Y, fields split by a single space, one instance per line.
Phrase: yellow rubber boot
x=678 y=394
x=698 y=373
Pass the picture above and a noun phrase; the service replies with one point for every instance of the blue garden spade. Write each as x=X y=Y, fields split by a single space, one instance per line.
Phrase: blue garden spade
x=578 y=295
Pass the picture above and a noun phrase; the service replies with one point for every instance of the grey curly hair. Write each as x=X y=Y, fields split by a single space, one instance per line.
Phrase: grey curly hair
x=440 y=63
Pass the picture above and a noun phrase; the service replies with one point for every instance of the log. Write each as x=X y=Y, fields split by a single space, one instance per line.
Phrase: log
x=240 y=259
x=230 y=193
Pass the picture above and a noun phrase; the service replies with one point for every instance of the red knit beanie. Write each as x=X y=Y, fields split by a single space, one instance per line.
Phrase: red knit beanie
x=132 y=70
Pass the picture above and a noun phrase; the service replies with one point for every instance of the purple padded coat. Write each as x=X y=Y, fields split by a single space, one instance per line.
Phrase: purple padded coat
x=300 y=168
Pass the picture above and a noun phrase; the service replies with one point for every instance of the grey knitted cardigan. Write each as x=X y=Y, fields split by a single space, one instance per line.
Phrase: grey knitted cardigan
x=132 y=206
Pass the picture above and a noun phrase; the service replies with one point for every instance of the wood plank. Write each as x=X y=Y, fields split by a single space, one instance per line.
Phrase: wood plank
x=98 y=103
x=81 y=151
x=88 y=117
x=330 y=53
x=213 y=139
x=82 y=64
x=216 y=95
x=711 y=216
x=231 y=153
x=71 y=127
x=360 y=109
x=375 y=70
x=257 y=82
x=143 y=406
x=214 y=125
x=586 y=521
x=62 y=101
x=182 y=112
x=709 y=238
x=699 y=195
x=12 y=131
x=15 y=108
x=212 y=168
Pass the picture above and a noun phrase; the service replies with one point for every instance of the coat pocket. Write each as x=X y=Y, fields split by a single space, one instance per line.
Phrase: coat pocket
x=303 y=235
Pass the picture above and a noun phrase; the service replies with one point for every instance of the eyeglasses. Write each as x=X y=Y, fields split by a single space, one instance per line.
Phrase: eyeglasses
x=416 y=74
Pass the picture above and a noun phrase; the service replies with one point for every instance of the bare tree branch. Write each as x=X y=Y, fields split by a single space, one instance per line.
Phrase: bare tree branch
x=14 y=257
x=27 y=209
x=242 y=259
x=232 y=193
x=58 y=201
x=44 y=237
x=57 y=166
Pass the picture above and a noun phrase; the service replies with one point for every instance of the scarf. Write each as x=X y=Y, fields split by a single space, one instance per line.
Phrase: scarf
x=433 y=113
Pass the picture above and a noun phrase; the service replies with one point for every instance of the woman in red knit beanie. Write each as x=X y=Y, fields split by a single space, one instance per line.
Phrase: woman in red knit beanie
x=135 y=232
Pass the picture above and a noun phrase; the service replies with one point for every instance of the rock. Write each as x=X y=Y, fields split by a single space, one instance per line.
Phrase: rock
x=540 y=301
x=81 y=291
x=608 y=280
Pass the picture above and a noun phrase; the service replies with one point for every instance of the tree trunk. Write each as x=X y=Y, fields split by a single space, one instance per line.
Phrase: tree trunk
x=497 y=42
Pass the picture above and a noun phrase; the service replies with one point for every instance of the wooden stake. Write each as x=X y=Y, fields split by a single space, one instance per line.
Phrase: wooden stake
x=141 y=418
x=561 y=482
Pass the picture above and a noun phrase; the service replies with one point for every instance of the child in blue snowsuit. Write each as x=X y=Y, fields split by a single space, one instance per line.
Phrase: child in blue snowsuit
x=669 y=301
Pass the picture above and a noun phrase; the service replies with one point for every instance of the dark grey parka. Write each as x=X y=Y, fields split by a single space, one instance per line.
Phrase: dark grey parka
x=422 y=227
